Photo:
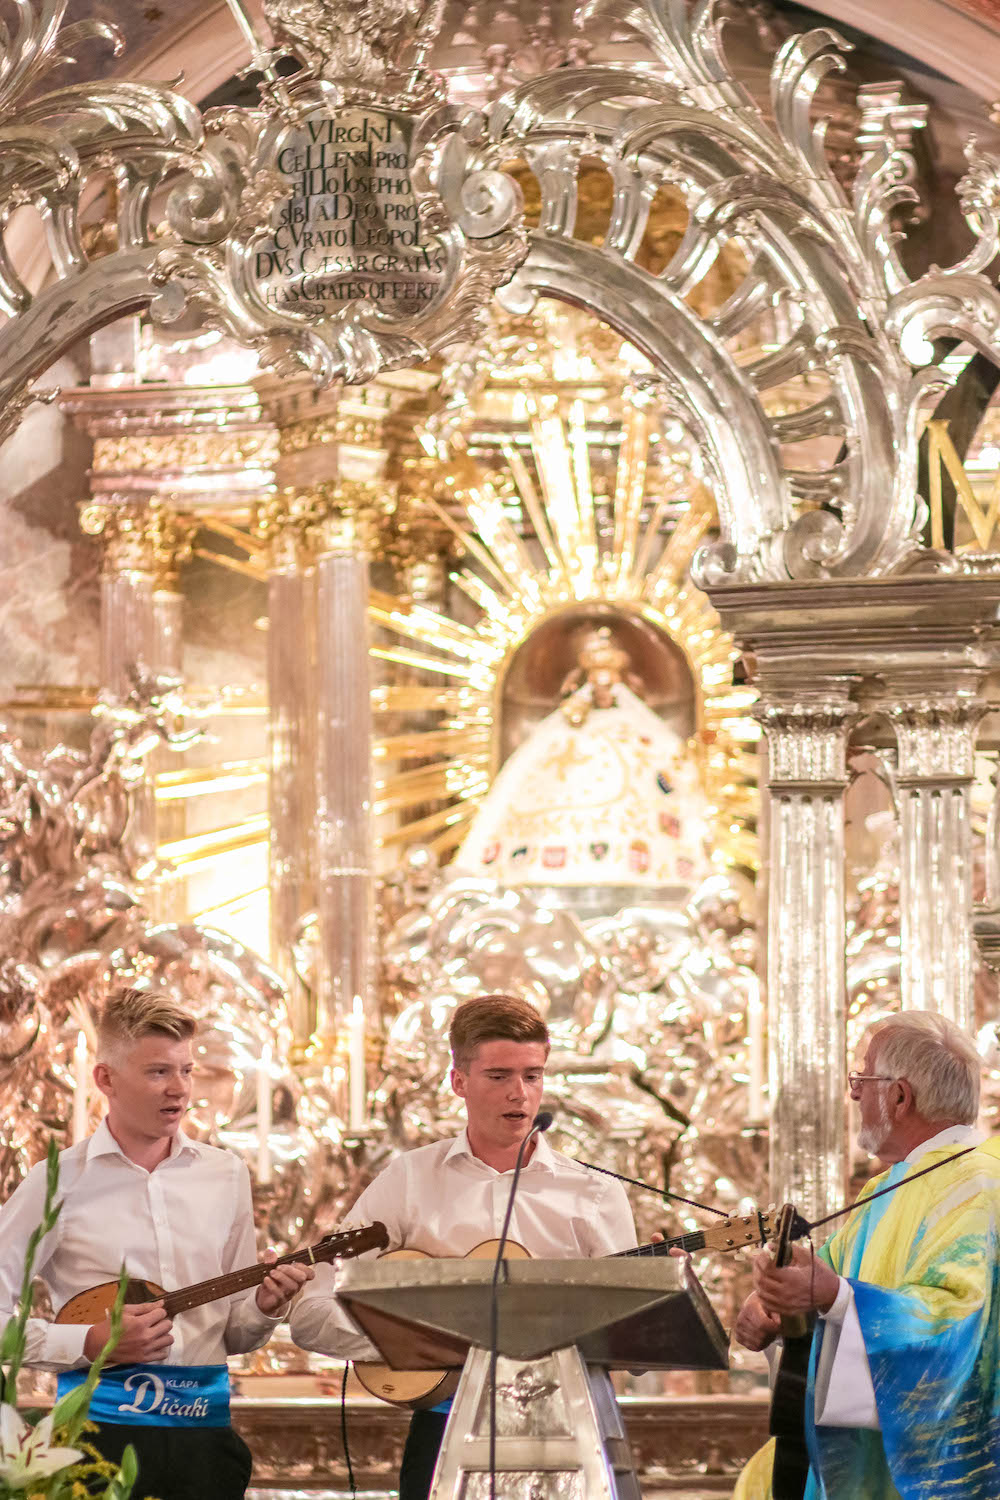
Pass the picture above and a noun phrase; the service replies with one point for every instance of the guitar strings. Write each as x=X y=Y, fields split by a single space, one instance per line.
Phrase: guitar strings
x=231 y=1282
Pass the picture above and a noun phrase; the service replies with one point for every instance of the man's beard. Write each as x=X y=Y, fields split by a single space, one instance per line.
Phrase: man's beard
x=872 y=1138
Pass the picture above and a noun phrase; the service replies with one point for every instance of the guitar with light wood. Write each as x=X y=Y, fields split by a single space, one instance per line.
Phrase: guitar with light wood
x=91 y=1306
x=420 y=1389
x=787 y=1421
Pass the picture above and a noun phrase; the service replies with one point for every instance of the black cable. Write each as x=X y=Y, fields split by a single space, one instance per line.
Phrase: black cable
x=865 y=1199
x=541 y=1122
x=706 y=1208
x=343 y=1432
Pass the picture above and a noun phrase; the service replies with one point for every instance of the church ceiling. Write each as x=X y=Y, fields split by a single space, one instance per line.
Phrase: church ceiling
x=982 y=10
x=531 y=35
x=144 y=24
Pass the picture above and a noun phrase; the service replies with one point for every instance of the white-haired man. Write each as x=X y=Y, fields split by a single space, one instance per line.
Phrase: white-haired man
x=903 y=1397
x=139 y=1192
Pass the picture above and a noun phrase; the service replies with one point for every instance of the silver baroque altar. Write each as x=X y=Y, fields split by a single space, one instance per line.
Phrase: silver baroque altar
x=781 y=354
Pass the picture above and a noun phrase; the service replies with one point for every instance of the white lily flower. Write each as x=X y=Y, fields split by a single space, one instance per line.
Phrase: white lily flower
x=26 y=1454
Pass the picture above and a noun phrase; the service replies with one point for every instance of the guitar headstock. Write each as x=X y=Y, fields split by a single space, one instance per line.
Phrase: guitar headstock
x=741 y=1230
x=789 y=1225
x=350 y=1242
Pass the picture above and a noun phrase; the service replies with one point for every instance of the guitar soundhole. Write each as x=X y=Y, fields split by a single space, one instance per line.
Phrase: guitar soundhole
x=138 y=1291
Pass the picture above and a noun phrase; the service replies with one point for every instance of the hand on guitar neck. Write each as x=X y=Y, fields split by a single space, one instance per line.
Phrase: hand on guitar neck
x=146 y=1330
x=146 y=1316
x=806 y=1284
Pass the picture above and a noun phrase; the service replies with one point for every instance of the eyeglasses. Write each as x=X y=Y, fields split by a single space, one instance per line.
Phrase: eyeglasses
x=853 y=1079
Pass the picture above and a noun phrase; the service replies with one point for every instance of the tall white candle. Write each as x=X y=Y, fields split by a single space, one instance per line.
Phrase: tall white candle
x=756 y=1104
x=357 y=1081
x=264 y=1116
x=81 y=1087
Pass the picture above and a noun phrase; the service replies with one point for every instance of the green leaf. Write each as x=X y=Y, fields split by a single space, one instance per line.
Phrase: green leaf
x=130 y=1466
x=121 y=1486
x=78 y=1412
x=68 y=1407
x=12 y=1347
x=8 y=1340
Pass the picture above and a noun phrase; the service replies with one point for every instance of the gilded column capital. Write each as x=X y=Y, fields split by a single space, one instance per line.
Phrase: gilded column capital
x=283 y=522
x=420 y=562
x=149 y=538
x=419 y=544
x=348 y=515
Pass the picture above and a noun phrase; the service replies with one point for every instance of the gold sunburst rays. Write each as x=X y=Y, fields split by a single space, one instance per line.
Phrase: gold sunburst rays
x=540 y=535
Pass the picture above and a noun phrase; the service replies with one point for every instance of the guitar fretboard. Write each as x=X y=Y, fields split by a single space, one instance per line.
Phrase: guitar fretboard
x=335 y=1247
x=690 y=1242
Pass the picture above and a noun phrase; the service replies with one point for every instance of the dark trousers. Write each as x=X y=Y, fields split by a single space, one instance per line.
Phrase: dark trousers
x=181 y=1463
x=423 y=1443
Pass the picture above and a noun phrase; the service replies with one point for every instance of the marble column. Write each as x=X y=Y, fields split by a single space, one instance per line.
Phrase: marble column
x=936 y=736
x=345 y=890
x=334 y=453
x=806 y=733
x=145 y=546
x=283 y=523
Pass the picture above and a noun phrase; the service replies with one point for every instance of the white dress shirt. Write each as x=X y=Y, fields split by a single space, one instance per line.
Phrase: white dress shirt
x=188 y=1220
x=444 y=1200
x=845 y=1395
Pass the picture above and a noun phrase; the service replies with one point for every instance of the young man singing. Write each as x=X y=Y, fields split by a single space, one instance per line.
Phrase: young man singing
x=450 y=1196
x=139 y=1192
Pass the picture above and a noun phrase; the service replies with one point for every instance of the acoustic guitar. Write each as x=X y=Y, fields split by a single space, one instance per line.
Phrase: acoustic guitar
x=420 y=1389
x=93 y=1305
x=788 y=1399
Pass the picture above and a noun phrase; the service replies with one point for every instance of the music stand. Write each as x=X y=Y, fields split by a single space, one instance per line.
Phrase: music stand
x=555 y=1417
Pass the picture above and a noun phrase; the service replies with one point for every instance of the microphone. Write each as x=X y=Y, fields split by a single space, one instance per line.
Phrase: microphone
x=541 y=1122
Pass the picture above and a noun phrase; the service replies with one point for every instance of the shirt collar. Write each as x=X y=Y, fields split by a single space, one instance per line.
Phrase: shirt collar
x=542 y=1159
x=952 y=1135
x=103 y=1143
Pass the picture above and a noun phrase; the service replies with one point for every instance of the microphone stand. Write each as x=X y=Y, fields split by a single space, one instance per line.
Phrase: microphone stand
x=541 y=1122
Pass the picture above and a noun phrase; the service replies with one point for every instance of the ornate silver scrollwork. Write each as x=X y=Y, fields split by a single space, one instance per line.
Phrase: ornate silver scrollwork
x=417 y=284
x=266 y=238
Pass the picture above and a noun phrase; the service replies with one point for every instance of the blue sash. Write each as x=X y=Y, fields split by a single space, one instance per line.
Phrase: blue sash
x=157 y=1395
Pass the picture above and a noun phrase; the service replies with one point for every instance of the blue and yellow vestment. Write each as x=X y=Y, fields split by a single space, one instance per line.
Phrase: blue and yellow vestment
x=924 y=1263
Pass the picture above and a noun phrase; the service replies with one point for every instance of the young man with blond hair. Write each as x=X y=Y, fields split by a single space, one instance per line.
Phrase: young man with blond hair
x=140 y=1193
x=448 y=1197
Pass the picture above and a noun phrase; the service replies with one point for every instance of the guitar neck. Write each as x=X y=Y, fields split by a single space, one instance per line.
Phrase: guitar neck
x=688 y=1242
x=730 y=1234
x=335 y=1247
x=221 y=1286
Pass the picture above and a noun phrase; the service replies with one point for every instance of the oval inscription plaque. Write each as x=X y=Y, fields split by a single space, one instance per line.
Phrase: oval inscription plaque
x=350 y=229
